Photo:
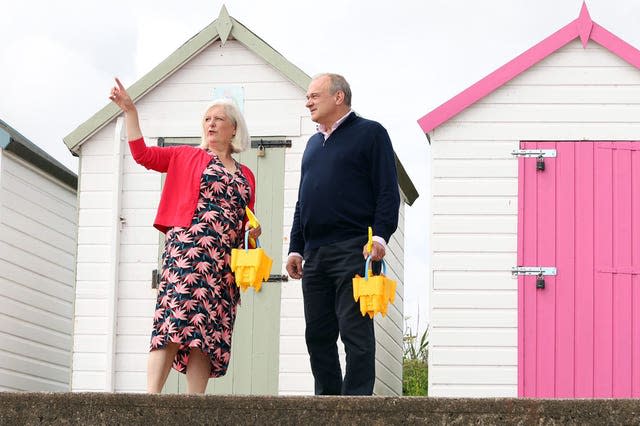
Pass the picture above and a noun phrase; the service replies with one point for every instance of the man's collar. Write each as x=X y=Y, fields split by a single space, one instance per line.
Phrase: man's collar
x=322 y=129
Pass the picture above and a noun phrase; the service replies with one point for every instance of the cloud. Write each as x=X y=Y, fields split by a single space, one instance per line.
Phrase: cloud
x=57 y=64
x=43 y=89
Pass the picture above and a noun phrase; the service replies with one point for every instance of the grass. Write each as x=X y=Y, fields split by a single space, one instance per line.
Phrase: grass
x=415 y=367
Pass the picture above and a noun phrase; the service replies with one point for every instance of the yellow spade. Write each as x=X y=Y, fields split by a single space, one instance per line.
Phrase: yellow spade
x=374 y=292
x=251 y=266
x=253 y=221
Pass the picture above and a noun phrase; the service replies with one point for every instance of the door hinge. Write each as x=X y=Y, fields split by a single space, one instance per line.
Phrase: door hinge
x=278 y=278
x=537 y=153
x=155 y=278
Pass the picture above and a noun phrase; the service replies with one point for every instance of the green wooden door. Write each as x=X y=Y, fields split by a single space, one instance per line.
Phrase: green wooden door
x=256 y=338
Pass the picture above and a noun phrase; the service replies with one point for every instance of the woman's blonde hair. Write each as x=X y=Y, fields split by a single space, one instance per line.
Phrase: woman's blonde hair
x=240 y=142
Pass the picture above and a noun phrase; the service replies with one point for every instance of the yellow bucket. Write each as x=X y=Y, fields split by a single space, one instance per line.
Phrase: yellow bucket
x=374 y=292
x=251 y=266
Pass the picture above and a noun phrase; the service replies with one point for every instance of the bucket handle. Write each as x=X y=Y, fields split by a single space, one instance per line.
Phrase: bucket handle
x=366 y=268
x=246 y=241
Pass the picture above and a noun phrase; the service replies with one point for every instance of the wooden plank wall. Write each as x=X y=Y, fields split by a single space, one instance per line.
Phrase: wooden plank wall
x=37 y=265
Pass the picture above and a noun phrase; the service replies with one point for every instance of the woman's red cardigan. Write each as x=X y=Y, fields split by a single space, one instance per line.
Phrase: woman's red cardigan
x=183 y=165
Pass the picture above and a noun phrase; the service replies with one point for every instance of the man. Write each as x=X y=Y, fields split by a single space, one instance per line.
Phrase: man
x=348 y=182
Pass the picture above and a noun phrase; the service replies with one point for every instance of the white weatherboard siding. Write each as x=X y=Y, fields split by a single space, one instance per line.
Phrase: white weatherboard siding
x=574 y=94
x=295 y=372
x=37 y=260
x=295 y=376
x=390 y=329
x=96 y=182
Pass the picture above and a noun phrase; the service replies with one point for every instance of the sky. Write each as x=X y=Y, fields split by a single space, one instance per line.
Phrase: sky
x=402 y=59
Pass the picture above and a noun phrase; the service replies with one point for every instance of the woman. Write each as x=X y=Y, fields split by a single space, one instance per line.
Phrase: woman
x=202 y=211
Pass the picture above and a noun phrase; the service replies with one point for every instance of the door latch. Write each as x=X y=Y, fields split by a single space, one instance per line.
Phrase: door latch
x=551 y=153
x=540 y=281
x=539 y=271
x=539 y=154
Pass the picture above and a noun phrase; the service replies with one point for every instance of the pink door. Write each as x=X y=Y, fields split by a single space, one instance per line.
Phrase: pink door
x=579 y=336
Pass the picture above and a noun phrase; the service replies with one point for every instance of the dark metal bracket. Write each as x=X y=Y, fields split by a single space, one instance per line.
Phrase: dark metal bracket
x=271 y=143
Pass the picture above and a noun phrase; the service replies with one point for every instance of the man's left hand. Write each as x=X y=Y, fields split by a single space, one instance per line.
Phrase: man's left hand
x=377 y=251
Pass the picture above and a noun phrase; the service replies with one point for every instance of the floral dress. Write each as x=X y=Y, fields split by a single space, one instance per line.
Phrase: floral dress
x=197 y=294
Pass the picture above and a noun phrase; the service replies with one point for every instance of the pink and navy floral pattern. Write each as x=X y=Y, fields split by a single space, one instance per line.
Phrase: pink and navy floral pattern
x=197 y=294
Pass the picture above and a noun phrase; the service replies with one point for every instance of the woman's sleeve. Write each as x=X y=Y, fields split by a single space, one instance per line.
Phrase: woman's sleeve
x=248 y=174
x=152 y=157
x=246 y=171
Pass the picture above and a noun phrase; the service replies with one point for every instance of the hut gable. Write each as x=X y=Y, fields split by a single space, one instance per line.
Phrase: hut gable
x=582 y=28
x=220 y=30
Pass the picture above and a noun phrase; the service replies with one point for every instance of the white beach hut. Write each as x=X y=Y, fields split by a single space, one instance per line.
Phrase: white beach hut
x=118 y=249
x=535 y=176
x=38 y=225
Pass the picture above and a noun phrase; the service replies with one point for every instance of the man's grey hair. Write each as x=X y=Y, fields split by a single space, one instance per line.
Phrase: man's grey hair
x=338 y=83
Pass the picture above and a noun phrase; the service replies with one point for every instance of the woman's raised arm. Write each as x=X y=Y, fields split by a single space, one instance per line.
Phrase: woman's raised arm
x=121 y=98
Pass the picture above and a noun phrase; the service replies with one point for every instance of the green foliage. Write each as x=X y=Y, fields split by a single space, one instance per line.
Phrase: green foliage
x=414 y=377
x=415 y=363
x=414 y=349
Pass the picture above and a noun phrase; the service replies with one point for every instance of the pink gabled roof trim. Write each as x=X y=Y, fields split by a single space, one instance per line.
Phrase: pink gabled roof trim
x=582 y=27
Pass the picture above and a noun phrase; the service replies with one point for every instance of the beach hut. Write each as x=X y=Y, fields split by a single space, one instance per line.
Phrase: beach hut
x=535 y=226
x=38 y=218
x=118 y=249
